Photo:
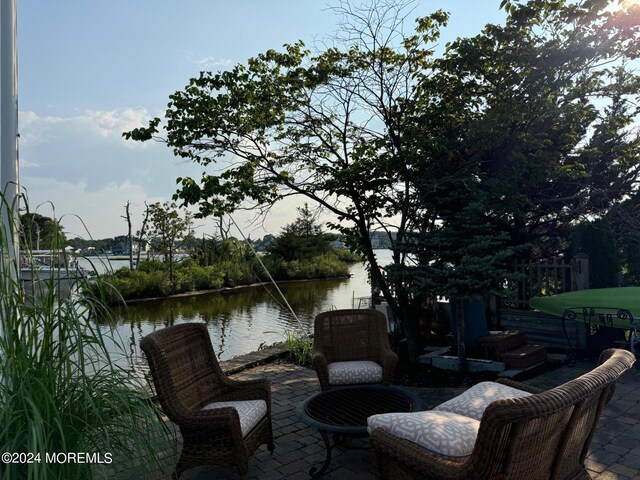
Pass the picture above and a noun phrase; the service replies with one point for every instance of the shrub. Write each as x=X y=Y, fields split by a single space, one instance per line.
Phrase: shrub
x=152 y=278
x=300 y=348
x=151 y=265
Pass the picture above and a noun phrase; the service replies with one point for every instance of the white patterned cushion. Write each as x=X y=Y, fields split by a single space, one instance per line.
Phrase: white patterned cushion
x=443 y=433
x=474 y=401
x=249 y=411
x=348 y=373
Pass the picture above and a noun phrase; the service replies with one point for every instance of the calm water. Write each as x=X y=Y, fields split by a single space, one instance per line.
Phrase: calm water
x=241 y=322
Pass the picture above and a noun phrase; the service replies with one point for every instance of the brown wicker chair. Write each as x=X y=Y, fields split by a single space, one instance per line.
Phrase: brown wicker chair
x=187 y=377
x=352 y=335
x=542 y=436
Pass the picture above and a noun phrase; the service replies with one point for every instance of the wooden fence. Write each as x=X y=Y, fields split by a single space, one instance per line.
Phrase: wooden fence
x=547 y=277
x=542 y=278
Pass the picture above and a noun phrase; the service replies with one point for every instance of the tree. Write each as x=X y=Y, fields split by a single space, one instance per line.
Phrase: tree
x=539 y=114
x=529 y=121
x=41 y=233
x=326 y=126
x=167 y=228
x=624 y=221
x=597 y=241
x=523 y=130
x=141 y=234
x=302 y=239
x=127 y=217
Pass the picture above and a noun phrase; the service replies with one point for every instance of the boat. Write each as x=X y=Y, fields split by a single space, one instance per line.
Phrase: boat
x=37 y=267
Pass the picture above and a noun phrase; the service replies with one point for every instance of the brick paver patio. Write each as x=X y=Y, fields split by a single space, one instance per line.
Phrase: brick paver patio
x=615 y=452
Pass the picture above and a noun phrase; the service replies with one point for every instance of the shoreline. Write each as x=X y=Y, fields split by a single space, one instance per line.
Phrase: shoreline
x=229 y=290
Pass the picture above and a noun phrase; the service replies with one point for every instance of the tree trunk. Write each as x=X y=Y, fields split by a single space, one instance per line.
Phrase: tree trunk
x=171 y=269
x=142 y=233
x=129 y=238
x=460 y=327
x=398 y=306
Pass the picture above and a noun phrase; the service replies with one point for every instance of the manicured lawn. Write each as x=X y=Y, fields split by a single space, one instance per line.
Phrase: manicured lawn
x=623 y=297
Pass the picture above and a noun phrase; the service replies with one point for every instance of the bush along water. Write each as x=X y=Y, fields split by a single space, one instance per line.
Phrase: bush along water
x=235 y=265
x=67 y=411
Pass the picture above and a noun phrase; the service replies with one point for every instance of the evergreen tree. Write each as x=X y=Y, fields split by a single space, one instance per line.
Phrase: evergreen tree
x=302 y=239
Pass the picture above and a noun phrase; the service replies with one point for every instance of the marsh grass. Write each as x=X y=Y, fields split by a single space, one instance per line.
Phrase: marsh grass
x=60 y=390
x=300 y=348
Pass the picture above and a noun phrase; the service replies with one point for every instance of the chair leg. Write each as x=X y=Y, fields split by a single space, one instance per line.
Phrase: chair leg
x=271 y=447
x=243 y=468
x=179 y=470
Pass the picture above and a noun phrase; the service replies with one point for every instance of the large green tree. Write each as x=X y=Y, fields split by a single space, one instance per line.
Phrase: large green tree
x=524 y=128
x=538 y=114
x=327 y=126
x=39 y=232
x=302 y=239
x=167 y=228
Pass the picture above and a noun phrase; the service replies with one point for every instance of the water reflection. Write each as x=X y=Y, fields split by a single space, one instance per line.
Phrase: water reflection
x=240 y=322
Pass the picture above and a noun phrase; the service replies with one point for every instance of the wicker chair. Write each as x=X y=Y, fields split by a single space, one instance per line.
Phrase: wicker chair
x=188 y=379
x=542 y=436
x=357 y=343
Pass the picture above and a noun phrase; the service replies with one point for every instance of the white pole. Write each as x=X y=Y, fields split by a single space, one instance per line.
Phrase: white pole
x=9 y=125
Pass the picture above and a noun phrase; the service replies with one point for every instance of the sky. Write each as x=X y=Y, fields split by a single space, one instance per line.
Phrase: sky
x=89 y=70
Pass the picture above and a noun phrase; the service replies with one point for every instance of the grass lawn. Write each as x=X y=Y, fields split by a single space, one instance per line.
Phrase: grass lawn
x=623 y=297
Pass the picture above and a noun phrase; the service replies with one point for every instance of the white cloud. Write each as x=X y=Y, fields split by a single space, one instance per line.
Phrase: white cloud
x=89 y=147
x=83 y=166
x=210 y=63
x=113 y=123
x=84 y=213
x=35 y=129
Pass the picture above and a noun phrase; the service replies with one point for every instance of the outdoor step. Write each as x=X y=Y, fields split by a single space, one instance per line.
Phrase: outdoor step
x=496 y=344
x=524 y=356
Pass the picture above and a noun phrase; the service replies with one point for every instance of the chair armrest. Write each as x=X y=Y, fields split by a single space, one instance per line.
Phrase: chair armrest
x=520 y=386
x=224 y=419
x=321 y=366
x=389 y=361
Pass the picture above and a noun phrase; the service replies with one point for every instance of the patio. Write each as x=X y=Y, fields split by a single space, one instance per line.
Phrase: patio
x=615 y=452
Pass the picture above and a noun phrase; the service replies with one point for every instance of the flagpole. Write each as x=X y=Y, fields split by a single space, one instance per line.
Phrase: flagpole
x=9 y=183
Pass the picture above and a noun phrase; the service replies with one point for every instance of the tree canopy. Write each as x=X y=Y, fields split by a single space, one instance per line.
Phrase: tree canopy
x=539 y=113
x=496 y=146
x=40 y=232
x=327 y=126
x=301 y=239
x=167 y=227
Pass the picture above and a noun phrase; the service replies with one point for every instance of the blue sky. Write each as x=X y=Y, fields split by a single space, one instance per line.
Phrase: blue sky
x=90 y=70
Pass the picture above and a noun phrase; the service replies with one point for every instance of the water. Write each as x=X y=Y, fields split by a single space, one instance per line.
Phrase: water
x=241 y=322
x=102 y=263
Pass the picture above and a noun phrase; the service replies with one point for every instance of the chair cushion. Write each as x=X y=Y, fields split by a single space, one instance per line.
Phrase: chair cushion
x=348 y=373
x=474 y=401
x=249 y=411
x=443 y=433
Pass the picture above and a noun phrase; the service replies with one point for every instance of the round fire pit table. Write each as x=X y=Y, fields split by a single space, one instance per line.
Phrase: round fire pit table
x=343 y=411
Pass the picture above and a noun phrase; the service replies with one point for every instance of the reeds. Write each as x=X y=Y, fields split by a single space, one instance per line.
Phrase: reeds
x=300 y=348
x=67 y=411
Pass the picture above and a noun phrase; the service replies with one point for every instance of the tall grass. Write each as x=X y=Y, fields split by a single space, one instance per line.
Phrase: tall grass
x=60 y=391
x=300 y=348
